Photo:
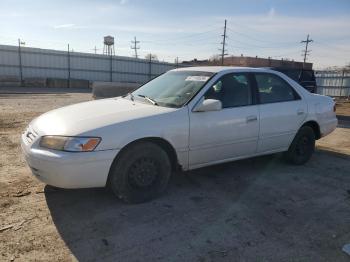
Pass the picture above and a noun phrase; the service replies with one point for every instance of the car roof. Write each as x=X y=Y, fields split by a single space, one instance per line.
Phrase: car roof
x=217 y=69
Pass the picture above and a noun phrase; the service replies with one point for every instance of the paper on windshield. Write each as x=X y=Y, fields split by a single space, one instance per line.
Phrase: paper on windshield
x=197 y=78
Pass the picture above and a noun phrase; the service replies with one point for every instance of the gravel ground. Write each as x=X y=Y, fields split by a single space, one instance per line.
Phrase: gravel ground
x=259 y=209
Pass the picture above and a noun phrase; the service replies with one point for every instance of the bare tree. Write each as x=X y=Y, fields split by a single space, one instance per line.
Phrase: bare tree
x=153 y=57
x=214 y=58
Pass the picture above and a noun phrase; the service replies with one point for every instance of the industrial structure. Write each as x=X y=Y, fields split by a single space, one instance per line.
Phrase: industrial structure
x=108 y=45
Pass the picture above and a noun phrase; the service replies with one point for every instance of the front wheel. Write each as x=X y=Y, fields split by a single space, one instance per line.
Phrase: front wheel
x=302 y=147
x=141 y=173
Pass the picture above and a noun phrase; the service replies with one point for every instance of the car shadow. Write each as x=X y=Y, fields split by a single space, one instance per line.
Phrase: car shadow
x=212 y=214
x=326 y=151
x=96 y=225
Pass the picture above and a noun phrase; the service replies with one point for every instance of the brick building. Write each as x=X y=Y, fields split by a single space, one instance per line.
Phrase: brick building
x=250 y=62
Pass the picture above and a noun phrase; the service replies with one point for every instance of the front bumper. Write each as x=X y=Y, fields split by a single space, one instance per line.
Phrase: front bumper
x=68 y=169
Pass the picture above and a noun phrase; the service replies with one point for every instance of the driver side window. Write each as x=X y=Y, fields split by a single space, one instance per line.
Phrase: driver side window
x=232 y=90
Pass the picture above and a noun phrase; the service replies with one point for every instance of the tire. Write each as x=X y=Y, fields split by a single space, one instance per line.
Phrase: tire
x=141 y=173
x=302 y=147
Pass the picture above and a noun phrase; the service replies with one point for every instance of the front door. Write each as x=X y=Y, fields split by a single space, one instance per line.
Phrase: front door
x=217 y=136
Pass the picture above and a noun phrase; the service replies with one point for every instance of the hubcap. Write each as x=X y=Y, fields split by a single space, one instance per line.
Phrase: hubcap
x=143 y=172
x=303 y=146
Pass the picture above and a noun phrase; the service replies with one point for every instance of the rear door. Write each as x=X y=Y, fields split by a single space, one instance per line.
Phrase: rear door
x=282 y=111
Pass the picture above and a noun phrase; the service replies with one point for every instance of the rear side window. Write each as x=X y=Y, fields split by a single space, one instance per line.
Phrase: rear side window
x=273 y=89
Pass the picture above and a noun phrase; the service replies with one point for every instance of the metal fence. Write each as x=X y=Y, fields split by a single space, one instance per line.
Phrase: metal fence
x=25 y=62
x=333 y=83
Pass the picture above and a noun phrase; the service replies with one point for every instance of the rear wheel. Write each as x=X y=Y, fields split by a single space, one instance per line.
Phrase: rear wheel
x=302 y=147
x=141 y=173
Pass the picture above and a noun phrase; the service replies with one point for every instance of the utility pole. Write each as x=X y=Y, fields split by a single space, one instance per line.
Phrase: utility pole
x=111 y=68
x=177 y=62
x=150 y=67
x=68 y=82
x=135 y=47
x=223 y=50
x=306 y=51
x=20 y=61
x=95 y=49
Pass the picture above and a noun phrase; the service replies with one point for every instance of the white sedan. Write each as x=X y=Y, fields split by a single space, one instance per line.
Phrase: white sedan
x=184 y=119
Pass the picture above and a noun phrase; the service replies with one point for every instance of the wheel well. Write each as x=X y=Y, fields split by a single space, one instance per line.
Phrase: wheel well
x=315 y=127
x=165 y=145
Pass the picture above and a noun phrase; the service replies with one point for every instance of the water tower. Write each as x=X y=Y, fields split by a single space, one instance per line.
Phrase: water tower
x=108 y=45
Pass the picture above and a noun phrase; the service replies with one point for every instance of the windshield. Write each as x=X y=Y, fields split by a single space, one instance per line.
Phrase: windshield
x=172 y=89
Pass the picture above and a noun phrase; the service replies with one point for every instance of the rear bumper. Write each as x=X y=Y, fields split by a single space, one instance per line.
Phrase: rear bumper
x=67 y=169
x=328 y=127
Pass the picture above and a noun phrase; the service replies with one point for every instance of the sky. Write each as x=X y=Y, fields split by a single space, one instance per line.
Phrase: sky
x=184 y=29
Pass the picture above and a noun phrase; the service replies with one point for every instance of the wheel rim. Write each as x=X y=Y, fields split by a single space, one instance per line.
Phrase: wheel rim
x=304 y=146
x=143 y=173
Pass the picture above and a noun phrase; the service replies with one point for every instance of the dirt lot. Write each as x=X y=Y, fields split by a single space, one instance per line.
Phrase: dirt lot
x=260 y=209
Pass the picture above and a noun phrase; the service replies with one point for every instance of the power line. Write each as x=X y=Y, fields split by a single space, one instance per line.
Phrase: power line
x=179 y=38
x=268 y=44
x=223 y=49
x=333 y=46
x=135 y=47
x=286 y=54
x=249 y=45
x=210 y=27
x=306 y=52
x=207 y=40
x=258 y=39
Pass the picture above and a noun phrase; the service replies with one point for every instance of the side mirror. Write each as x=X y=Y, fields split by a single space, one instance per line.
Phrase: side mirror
x=206 y=105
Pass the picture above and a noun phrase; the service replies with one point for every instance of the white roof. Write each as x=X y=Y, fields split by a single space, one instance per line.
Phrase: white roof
x=216 y=69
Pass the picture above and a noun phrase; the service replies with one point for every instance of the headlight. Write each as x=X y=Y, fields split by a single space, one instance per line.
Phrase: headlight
x=70 y=143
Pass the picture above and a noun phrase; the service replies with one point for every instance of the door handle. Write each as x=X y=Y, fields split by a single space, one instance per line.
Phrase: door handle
x=300 y=112
x=251 y=118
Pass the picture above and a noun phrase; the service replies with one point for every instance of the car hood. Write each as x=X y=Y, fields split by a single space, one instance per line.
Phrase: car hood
x=84 y=117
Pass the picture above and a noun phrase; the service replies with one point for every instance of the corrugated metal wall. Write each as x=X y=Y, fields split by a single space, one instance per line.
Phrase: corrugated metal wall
x=333 y=83
x=57 y=64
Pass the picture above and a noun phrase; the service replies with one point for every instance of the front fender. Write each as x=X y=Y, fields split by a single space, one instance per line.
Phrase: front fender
x=172 y=127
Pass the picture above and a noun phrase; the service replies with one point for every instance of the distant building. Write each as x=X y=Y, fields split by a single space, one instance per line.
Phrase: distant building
x=250 y=62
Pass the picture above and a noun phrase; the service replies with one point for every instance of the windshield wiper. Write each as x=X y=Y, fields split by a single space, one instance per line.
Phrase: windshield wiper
x=152 y=101
x=131 y=96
